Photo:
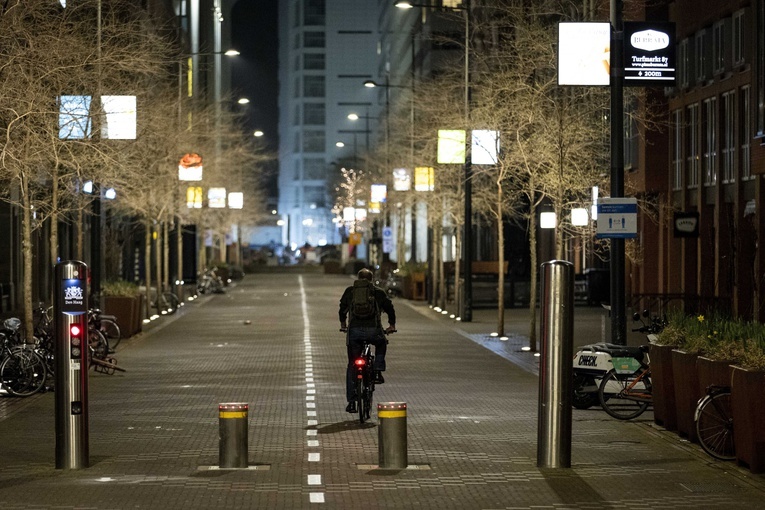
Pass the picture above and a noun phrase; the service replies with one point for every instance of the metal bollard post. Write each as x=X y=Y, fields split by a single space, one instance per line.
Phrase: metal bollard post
x=232 y=440
x=555 y=373
x=70 y=310
x=391 y=435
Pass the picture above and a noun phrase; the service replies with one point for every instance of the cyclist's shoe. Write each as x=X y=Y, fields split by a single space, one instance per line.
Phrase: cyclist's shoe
x=351 y=408
x=379 y=379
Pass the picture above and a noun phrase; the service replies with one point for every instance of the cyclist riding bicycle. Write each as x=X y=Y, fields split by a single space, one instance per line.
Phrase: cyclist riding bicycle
x=364 y=325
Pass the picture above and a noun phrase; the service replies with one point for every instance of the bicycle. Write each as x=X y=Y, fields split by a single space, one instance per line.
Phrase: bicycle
x=365 y=380
x=714 y=423
x=626 y=392
x=107 y=325
x=22 y=371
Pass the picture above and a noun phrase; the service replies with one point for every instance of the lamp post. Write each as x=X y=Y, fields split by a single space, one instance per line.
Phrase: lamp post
x=467 y=241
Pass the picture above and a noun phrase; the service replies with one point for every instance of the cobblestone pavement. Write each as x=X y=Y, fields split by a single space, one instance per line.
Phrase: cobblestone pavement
x=272 y=341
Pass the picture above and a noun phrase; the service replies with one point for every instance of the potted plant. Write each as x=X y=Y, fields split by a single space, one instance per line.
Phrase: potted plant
x=413 y=274
x=123 y=300
x=662 y=374
x=747 y=386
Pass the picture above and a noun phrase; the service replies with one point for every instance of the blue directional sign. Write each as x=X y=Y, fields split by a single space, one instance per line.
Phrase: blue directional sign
x=617 y=218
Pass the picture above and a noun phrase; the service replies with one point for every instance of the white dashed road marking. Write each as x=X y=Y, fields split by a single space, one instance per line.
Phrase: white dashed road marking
x=312 y=433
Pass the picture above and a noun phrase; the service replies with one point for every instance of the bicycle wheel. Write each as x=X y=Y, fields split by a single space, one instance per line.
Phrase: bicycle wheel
x=98 y=345
x=23 y=372
x=614 y=395
x=112 y=332
x=584 y=398
x=714 y=426
x=360 y=399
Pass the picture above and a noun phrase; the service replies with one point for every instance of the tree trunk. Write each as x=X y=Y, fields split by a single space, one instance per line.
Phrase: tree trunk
x=53 y=239
x=26 y=249
x=179 y=257
x=147 y=268
x=158 y=261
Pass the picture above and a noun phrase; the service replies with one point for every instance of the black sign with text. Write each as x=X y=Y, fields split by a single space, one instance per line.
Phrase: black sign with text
x=649 y=54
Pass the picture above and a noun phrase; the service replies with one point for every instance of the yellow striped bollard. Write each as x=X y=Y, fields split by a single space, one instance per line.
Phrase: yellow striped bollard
x=391 y=435
x=232 y=435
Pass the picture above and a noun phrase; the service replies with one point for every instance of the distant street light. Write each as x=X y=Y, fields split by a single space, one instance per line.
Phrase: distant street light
x=258 y=133
x=243 y=100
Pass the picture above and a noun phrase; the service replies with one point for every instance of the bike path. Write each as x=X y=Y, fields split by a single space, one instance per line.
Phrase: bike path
x=273 y=341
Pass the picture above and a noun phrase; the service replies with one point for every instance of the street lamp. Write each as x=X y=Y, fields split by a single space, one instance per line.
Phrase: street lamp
x=355 y=116
x=467 y=242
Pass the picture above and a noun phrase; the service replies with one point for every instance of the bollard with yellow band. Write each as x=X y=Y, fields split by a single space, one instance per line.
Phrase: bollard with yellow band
x=232 y=430
x=392 y=435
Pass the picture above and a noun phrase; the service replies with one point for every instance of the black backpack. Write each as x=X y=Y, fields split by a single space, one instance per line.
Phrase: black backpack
x=363 y=302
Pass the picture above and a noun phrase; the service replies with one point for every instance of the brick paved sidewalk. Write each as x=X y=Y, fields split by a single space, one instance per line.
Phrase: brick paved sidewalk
x=471 y=421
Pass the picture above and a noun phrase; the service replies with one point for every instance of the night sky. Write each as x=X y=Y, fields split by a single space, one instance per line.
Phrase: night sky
x=254 y=73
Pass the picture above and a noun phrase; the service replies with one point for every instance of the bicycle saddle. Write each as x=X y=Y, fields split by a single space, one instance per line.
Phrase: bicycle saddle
x=616 y=351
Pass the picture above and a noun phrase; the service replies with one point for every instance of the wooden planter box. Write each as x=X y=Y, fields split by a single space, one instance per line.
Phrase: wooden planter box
x=663 y=382
x=712 y=373
x=747 y=388
x=128 y=312
x=414 y=286
x=687 y=392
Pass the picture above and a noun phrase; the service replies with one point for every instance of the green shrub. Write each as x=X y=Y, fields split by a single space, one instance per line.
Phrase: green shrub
x=120 y=288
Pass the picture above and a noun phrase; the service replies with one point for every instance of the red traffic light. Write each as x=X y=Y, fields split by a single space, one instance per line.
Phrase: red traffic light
x=75 y=330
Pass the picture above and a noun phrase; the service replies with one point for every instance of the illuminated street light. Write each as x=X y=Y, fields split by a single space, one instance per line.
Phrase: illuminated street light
x=243 y=100
x=258 y=133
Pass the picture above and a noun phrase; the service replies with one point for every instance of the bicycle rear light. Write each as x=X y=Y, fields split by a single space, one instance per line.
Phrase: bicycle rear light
x=360 y=362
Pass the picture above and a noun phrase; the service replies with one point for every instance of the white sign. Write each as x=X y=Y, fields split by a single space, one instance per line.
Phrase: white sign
x=485 y=147
x=584 y=53
x=617 y=218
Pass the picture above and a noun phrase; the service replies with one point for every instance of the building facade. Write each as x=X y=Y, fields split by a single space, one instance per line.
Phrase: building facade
x=327 y=50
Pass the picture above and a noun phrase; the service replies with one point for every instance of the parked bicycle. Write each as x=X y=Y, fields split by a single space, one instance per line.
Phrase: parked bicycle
x=209 y=282
x=107 y=325
x=714 y=423
x=22 y=370
x=626 y=391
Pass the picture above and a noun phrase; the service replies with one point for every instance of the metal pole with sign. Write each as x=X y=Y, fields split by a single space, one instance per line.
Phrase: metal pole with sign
x=70 y=308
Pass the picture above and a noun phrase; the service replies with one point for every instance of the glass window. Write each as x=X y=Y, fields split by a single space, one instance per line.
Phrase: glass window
x=692 y=145
x=313 y=86
x=314 y=40
x=684 y=69
x=677 y=149
x=728 y=135
x=720 y=46
x=314 y=196
x=313 y=61
x=314 y=114
x=738 y=38
x=313 y=141
x=701 y=52
x=314 y=169
x=709 y=128
x=314 y=12
x=745 y=132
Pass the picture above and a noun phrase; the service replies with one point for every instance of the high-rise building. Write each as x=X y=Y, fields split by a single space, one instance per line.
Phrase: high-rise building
x=327 y=49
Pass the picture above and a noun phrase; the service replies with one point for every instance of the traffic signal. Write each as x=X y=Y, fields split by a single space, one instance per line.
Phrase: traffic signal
x=75 y=340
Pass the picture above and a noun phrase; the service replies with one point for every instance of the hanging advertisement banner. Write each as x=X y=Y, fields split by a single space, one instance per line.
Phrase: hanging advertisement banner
x=216 y=198
x=584 y=53
x=484 y=148
x=378 y=193
x=424 y=178
x=649 y=54
x=402 y=179
x=190 y=167
x=451 y=148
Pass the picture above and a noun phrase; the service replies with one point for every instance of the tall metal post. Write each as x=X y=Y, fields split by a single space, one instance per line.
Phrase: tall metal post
x=556 y=371
x=467 y=242
x=70 y=310
x=618 y=319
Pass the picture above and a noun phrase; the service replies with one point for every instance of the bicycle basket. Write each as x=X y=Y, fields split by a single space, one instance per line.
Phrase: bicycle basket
x=625 y=365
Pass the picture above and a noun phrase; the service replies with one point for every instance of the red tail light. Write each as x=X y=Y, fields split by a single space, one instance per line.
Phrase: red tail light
x=360 y=362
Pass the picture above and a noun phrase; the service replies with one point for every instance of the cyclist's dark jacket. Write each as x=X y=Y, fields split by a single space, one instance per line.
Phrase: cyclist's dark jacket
x=383 y=303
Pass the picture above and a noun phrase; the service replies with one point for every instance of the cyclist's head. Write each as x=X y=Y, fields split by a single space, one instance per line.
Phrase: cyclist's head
x=365 y=274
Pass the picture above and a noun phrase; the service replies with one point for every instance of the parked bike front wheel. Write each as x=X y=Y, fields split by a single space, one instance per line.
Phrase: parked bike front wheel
x=585 y=391
x=714 y=426
x=23 y=372
x=622 y=396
